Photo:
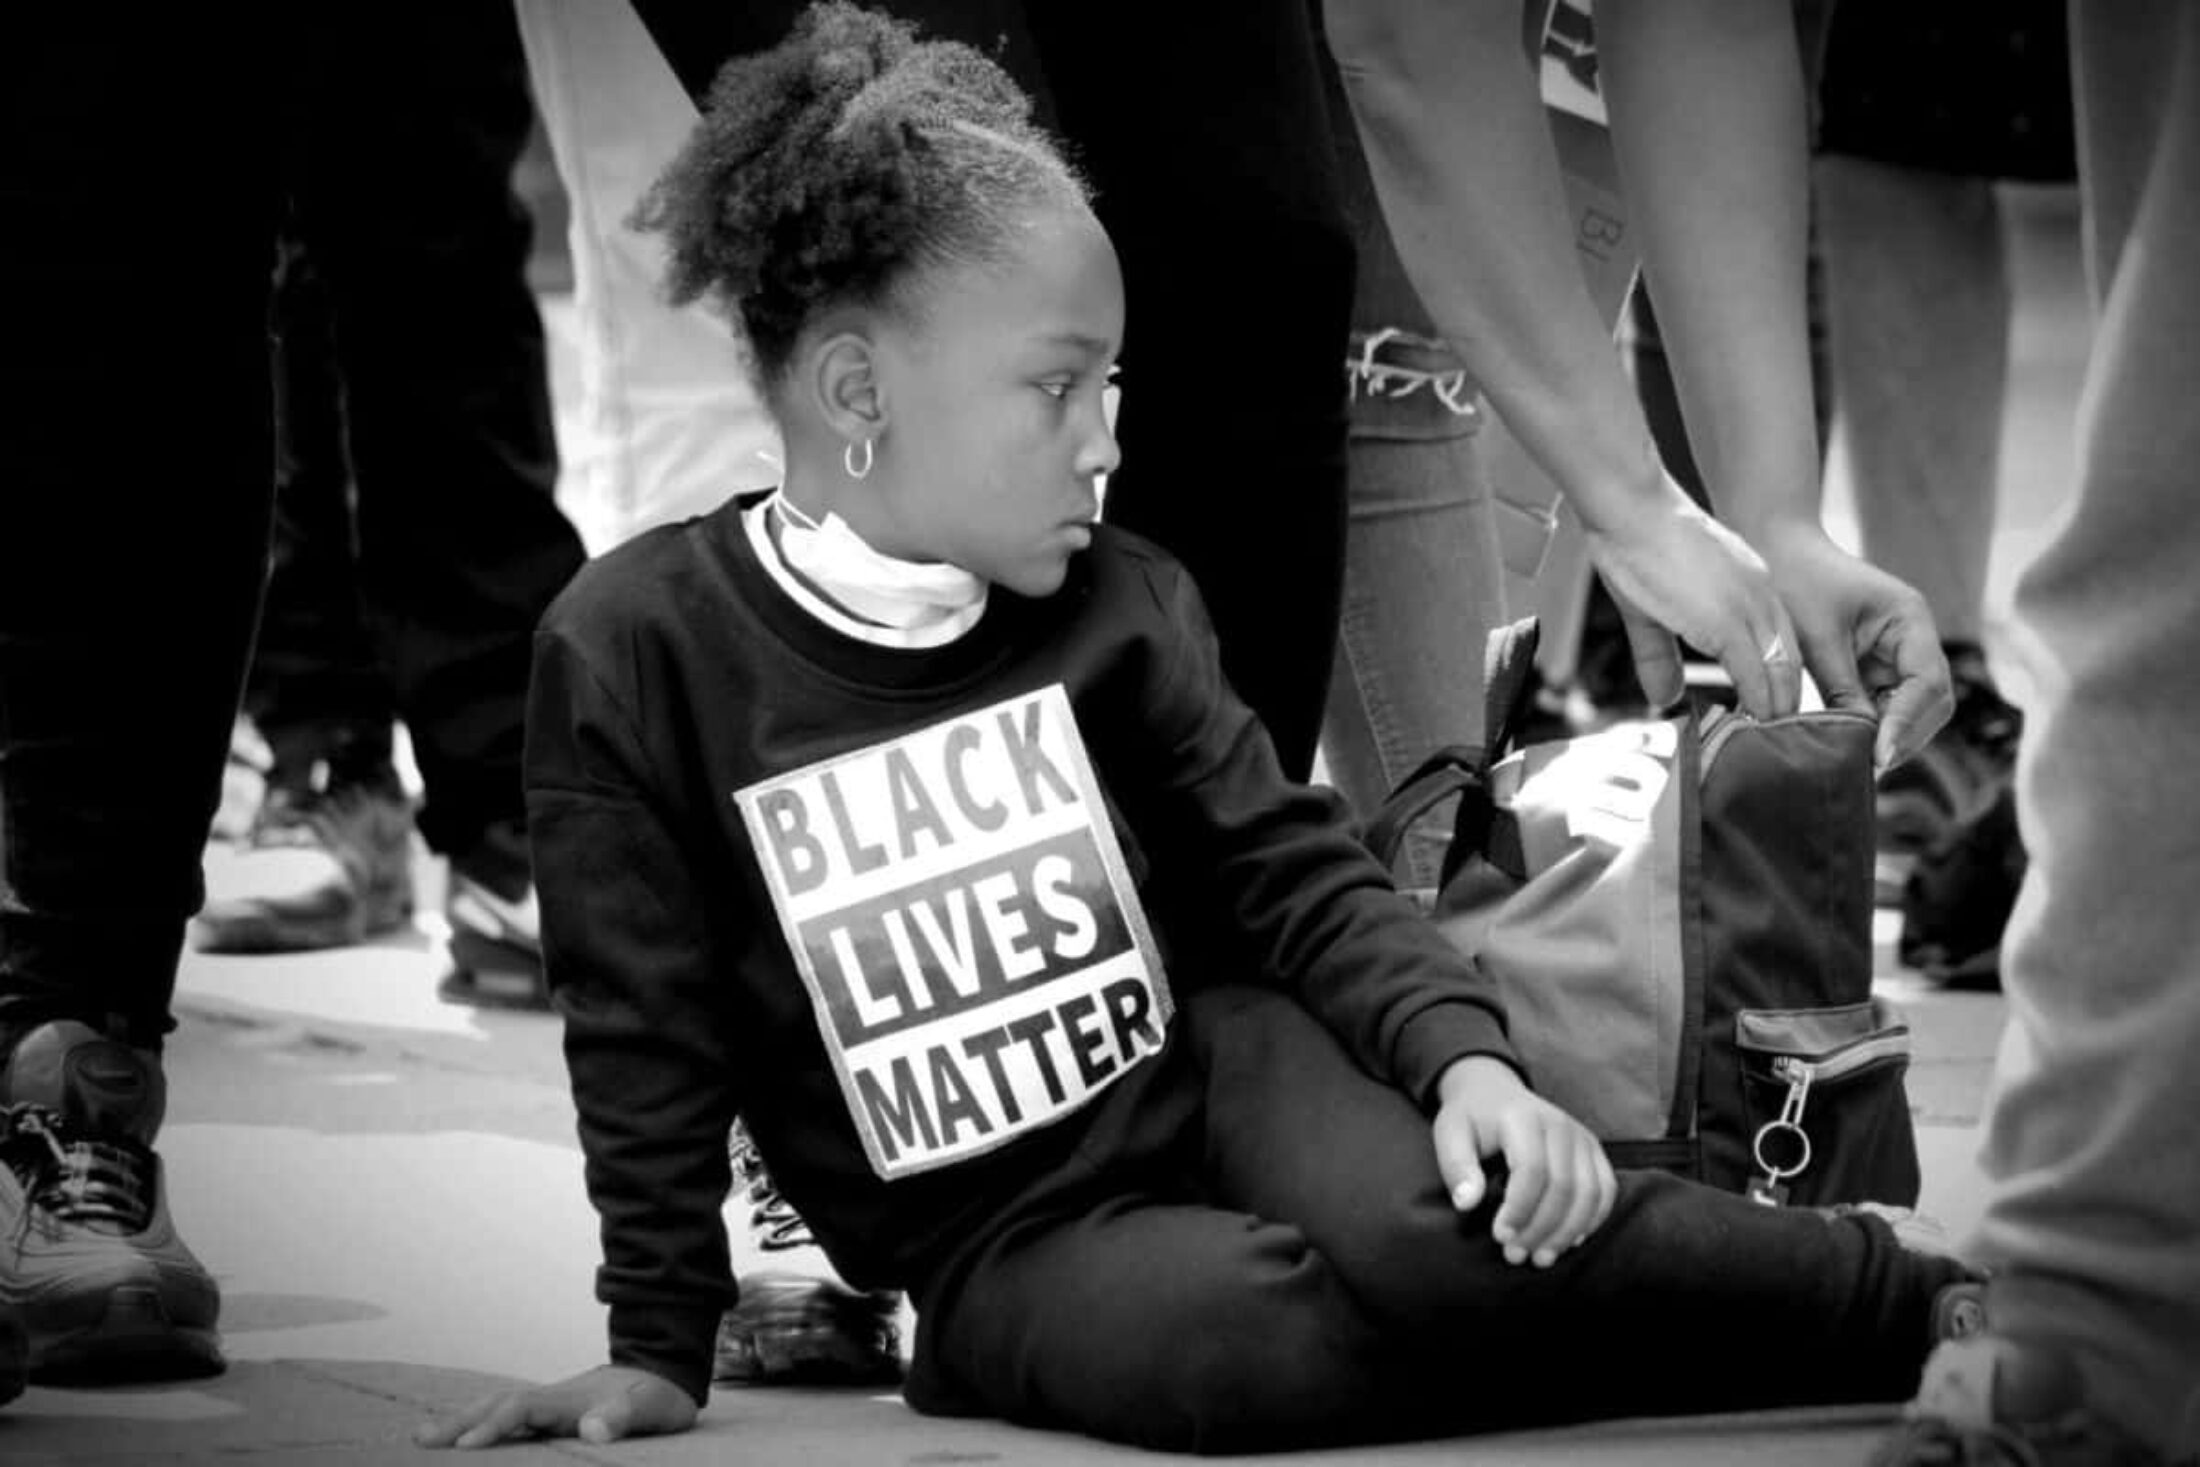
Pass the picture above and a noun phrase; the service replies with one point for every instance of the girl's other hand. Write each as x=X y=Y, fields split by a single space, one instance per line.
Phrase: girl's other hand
x=1559 y=1188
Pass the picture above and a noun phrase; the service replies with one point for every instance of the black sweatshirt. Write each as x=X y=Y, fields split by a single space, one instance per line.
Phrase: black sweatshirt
x=939 y=998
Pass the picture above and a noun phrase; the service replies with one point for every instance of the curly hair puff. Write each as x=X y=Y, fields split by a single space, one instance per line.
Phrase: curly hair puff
x=829 y=167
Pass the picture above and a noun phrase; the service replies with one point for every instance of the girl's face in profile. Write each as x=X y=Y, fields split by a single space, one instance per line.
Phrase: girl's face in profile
x=999 y=436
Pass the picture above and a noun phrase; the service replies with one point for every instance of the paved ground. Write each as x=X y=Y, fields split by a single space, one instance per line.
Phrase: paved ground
x=389 y=1190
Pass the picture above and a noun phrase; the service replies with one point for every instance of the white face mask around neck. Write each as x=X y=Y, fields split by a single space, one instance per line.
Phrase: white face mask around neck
x=897 y=593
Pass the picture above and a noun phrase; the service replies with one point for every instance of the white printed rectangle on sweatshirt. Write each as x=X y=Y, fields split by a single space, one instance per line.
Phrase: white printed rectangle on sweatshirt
x=958 y=907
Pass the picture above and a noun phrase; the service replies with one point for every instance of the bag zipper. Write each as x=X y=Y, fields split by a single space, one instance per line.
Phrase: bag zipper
x=1719 y=723
x=1798 y=1071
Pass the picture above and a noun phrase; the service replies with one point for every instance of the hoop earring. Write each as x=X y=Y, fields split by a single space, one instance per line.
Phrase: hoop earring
x=848 y=460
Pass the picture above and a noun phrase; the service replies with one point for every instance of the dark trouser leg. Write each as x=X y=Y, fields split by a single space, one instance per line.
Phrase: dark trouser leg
x=316 y=689
x=405 y=202
x=1209 y=146
x=1798 y=1307
x=1307 y=1282
x=133 y=530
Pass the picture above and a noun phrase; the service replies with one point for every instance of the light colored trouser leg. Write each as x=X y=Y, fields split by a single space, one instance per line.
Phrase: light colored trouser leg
x=1917 y=296
x=670 y=425
x=2093 y=1133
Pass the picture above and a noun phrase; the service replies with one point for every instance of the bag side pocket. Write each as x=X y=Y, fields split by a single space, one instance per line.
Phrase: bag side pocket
x=1824 y=1099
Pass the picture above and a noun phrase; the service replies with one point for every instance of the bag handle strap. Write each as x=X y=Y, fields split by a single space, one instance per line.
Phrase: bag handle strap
x=1508 y=682
x=1463 y=769
x=1455 y=769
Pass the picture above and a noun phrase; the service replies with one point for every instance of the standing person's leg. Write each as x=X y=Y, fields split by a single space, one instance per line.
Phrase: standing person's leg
x=2093 y=1136
x=1208 y=144
x=327 y=860
x=1424 y=581
x=130 y=569
x=406 y=201
x=1917 y=288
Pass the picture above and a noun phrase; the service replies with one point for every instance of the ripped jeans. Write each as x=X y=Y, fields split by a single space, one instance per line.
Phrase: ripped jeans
x=1426 y=546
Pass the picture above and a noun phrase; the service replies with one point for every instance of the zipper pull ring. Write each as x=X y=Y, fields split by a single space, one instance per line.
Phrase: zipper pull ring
x=1771 y=1188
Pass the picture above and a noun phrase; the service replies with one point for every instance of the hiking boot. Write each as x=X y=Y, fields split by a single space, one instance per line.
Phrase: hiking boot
x=790 y=1329
x=327 y=863
x=1989 y=1402
x=15 y=1354
x=1955 y=778
x=89 y=1259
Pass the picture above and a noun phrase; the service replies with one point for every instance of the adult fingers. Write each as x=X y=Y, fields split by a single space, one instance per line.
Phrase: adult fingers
x=1922 y=699
x=1657 y=656
x=1782 y=656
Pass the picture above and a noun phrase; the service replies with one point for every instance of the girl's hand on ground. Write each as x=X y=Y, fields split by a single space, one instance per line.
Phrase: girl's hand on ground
x=1868 y=639
x=600 y=1405
x=1675 y=571
x=1561 y=1186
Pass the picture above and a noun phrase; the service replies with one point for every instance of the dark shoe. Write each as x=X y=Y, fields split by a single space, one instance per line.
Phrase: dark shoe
x=1958 y=897
x=89 y=1259
x=1987 y=1402
x=496 y=946
x=790 y=1329
x=15 y=1354
x=327 y=863
x=496 y=925
x=1955 y=778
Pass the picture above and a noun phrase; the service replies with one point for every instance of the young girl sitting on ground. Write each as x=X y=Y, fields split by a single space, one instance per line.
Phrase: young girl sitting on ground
x=905 y=814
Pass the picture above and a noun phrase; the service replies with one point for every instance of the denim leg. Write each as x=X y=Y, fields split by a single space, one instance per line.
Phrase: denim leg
x=1424 y=582
x=2093 y=1136
x=139 y=233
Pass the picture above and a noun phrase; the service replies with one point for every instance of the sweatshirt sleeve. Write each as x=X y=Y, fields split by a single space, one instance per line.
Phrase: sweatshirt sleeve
x=646 y=1044
x=1303 y=900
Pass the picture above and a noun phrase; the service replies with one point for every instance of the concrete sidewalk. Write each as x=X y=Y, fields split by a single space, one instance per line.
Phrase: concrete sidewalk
x=389 y=1190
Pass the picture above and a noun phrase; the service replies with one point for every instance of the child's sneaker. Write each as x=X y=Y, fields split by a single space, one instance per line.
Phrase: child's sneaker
x=1989 y=1402
x=89 y=1260
x=791 y=1329
x=774 y=1223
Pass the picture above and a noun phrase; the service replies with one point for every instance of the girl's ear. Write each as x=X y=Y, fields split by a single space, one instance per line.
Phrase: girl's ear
x=844 y=381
